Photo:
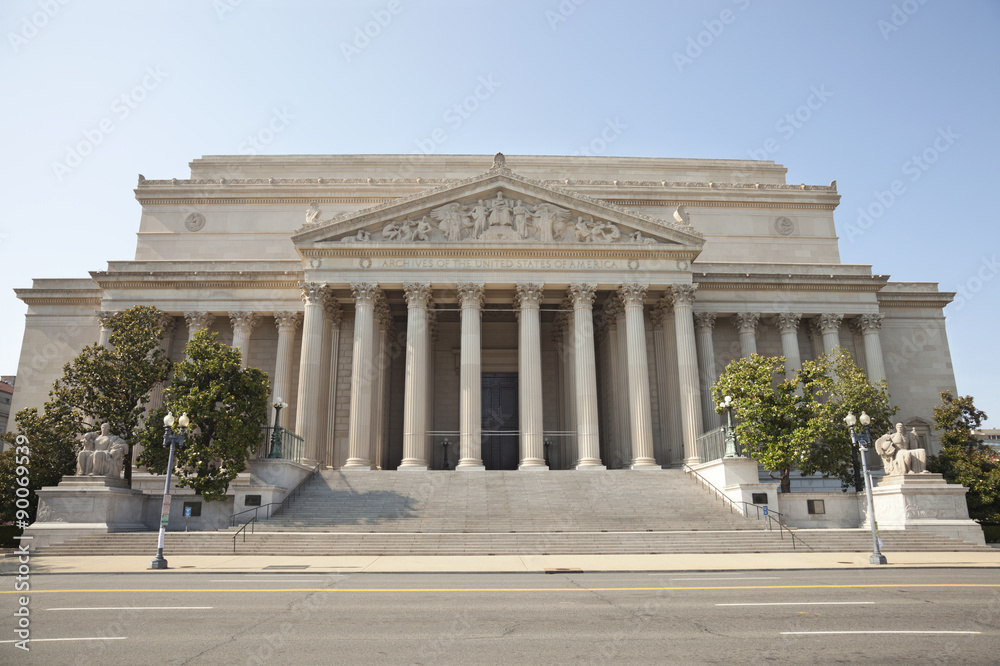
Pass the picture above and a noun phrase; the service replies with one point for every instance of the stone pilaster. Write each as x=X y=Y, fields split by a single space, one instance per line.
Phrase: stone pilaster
x=870 y=325
x=746 y=324
x=243 y=325
x=829 y=326
x=529 y=298
x=633 y=297
x=362 y=377
x=673 y=432
x=618 y=409
x=383 y=319
x=333 y=318
x=588 y=442
x=281 y=381
x=704 y=323
x=788 y=326
x=470 y=420
x=418 y=297
x=683 y=296
x=197 y=321
x=307 y=409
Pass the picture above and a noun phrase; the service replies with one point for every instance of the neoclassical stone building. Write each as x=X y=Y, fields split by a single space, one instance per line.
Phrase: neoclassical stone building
x=539 y=313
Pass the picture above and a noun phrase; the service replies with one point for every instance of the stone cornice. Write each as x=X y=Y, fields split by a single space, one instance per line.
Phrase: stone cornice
x=526 y=250
x=935 y=300
x=788 y=282
x=198 y=279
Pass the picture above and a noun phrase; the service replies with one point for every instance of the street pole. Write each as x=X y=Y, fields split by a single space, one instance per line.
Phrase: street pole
x=276 y=433
x=173 y=439
x=861 y=439
x=727 y=404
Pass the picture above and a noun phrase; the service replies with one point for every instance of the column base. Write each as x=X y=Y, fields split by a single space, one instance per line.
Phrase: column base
x=644 y=464
x=532 y=464
x=590 y=464
x=470 y=465
x=357 y=465
x=412 y=467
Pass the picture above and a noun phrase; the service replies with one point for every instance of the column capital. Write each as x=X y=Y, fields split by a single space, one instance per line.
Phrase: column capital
x=287 y=321
x=199 y=320
x=243 y=320
x=788 y=322
x=704 y=321
x=869 y=322
x=613 y=308
x=683 y=294
x=582 y=296
x=313 y=293
x=633 y=294
x=334 y=313
x=528 y=295
x=105 y=316
x=365 y=293
x=656 y=315
x=828 y=323
x=746 y=322
x=168 y=324
x=471 y=295
x=418 y=294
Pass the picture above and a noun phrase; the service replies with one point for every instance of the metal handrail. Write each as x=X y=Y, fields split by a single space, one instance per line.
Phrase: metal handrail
x=741 y=508
x=251 y=523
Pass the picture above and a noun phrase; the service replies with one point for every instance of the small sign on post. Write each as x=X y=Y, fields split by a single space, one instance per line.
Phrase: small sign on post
x=187 y=514
x=765 y=509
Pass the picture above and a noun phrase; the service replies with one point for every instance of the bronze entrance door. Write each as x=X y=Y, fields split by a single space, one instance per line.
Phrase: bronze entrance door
x=500 y=420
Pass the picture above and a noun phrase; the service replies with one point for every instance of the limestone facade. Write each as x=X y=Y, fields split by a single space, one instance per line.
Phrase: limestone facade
x=540 y=313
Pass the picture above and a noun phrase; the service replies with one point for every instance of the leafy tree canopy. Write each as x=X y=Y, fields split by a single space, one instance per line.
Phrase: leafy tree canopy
x=227 y=406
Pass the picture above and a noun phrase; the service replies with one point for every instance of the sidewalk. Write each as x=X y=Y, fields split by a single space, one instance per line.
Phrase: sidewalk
x=495 y=563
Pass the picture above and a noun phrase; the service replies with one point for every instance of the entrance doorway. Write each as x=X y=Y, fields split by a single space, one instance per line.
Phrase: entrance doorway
x=500 y=420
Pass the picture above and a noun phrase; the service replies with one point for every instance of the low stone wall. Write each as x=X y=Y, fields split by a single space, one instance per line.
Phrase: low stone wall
x=839 y=509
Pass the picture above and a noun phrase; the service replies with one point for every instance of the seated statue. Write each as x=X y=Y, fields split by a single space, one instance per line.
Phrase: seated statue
x=101 y=454
x=899 y=453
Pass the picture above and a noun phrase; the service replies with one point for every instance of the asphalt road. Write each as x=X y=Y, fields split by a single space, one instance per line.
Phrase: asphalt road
x=284 y=617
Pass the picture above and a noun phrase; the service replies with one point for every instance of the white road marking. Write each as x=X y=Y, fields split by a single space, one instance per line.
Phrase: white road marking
x=91 y=638
x=133 y=608
x=806 y=633
x=743 y=578
x=265 y=580
x=804 y=603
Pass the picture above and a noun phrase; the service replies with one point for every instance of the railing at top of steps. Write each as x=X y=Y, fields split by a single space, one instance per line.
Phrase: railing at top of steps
x=291 y=497
x=742 y=508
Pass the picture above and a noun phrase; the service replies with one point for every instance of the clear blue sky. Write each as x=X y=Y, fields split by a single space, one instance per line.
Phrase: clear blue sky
x=887 y=80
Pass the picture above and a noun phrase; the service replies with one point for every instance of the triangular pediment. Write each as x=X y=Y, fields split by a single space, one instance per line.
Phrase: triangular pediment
x=498 y=206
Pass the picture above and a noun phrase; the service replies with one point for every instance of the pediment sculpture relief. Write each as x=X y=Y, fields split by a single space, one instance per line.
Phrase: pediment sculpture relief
x=496 y=219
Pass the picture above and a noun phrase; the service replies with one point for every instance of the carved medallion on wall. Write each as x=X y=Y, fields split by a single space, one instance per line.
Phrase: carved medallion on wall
x=195 y=222
x=784 y=226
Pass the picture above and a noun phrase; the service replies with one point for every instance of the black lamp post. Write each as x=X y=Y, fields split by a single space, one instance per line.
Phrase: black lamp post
x=731 y=452
x=862 y=438
x=172 y=439
x=276 y=432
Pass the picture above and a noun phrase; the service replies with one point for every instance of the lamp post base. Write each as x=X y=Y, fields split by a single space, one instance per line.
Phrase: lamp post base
x=158 y=561
x=877 y=558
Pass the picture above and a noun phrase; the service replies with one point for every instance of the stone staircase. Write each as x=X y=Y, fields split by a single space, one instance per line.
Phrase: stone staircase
x=503 y=513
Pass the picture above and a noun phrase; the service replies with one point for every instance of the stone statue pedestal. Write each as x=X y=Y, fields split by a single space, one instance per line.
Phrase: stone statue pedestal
x=82 y=505
x=924 y=502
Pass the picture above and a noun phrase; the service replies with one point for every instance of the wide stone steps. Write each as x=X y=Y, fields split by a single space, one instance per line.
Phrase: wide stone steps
x=292 y=544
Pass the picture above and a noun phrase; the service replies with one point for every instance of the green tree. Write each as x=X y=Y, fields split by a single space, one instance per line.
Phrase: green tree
x=848 y=390
x=112 y=384
x=966 y=460
x=227 y=406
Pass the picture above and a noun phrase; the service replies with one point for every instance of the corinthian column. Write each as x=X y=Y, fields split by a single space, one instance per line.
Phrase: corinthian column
x=197 y=321
x=788 y=325
x=334 y=318
x=672 y=429
x=687 y=367
x=104 y=318
x=746 y=324
x=633 y=297
x=704 y=323
x=870 y=324
x=362 y=377
x=529 y=297
x=588 y=447
x=470 y=438
x=243 y=325
x=829 y=326
x=281 y=382
x=307 y=412
x=415 y=393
